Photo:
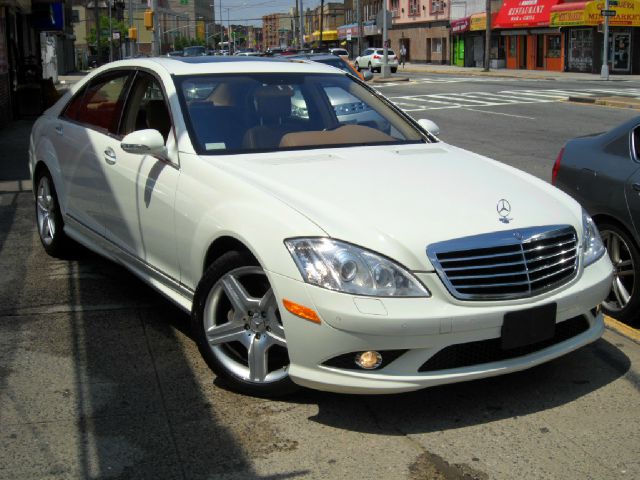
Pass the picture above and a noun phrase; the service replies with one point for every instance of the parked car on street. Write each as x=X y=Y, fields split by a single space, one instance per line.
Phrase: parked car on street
x=195 y=51
x=175 y=53
x=340 y=52
x=334 y=61
x=372 y=59
x=602 y=172
x=312 y=246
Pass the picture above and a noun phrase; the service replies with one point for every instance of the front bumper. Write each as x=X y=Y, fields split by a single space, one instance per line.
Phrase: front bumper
x=422 y=327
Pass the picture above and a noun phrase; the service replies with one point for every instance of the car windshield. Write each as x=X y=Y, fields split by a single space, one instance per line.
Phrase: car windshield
x=194 y=51
x=239 y=113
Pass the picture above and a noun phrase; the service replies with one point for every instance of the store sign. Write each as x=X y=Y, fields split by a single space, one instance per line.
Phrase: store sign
x=627 y=14
x=524 y=13
x=460 y=25
x=478 y=21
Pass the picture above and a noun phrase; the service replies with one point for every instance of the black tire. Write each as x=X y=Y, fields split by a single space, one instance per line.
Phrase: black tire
x=49 y=217
x=357 y=67
x=626 y=262
x=231 y=358
x=370 y=68
x=394 y=70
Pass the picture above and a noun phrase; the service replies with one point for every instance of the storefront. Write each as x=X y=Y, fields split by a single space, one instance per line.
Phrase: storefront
x=582 y=22
x=529 y=41
x=459 y=27
x=348 y=38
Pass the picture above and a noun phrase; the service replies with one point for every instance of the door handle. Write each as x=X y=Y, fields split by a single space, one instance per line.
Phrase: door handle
x=59 y=129
x=110 y=156
x=636 y=187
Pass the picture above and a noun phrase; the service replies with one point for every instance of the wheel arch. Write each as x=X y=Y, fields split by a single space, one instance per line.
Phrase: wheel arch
x=605 y=218
x=222 y=245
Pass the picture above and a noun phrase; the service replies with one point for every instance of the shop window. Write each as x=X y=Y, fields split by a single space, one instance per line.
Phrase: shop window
x=513 y=46
x=553 y=46
x=437 y=6
x=580 y=51
x=436 y=45
x=414 y=7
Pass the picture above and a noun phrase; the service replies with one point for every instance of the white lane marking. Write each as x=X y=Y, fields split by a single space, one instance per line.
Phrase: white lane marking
x=499 y=113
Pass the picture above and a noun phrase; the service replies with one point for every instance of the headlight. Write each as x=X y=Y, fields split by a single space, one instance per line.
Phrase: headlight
x=592 y=246
x=346 y=268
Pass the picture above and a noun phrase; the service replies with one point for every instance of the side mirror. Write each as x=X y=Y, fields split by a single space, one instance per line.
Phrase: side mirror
x=144 y=142
x=366 y=75
x=430 y=126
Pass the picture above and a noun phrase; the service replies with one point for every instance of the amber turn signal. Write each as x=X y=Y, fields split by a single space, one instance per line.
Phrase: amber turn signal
x=301 y=311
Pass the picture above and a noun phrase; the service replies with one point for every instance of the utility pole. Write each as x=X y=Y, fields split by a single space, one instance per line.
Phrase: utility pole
x=487 y=37
x=213 y=22
x=385 y=70
x=301 y=32
x=359 y=21
x=321 y=21
x=110 y=34
x=155 y=46
x=131 y=44
x=604 y=71
x=97 y=13
x=221 y=24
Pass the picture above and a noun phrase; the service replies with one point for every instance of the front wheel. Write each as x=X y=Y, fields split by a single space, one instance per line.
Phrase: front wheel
x=238 y=328
x=623 y=300
x=357 y=67
x=49 y=217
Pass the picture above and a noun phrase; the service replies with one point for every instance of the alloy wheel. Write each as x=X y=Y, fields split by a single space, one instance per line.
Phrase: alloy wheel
x=45 y=208
x=623 y=284
x=243 y=328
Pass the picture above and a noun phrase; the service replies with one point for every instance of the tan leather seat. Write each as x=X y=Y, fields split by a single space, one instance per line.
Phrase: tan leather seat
x=273 y=107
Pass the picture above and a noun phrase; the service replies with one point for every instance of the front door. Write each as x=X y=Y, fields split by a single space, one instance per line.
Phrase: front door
x=522 y=52
x=621 y=52
x=141 y=220
x=539 y=51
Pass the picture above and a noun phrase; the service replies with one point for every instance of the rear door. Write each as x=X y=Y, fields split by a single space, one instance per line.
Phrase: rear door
x=84 y=126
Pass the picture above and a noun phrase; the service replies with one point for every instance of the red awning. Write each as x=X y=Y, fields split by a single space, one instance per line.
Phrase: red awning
x=524 y=13
x=460 y=25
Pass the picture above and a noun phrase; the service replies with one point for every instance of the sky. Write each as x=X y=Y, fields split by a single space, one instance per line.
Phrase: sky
x=251 y=11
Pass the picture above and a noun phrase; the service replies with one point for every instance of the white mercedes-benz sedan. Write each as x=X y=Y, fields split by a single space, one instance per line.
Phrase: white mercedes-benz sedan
x=338 y=246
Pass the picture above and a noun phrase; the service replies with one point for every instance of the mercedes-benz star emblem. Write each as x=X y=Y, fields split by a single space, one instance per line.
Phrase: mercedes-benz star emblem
x=504 y=209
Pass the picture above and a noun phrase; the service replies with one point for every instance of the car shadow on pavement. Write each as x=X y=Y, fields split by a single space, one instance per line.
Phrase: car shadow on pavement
x=100 y=379
x=545 y=387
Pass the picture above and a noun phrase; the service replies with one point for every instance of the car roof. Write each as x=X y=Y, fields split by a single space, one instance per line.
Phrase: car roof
x=314 y=56
x=224 y=64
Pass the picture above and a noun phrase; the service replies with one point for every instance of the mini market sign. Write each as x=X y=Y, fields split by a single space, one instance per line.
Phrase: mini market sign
x=590 y=14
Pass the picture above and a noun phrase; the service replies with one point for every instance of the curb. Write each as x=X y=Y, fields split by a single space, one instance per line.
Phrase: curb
x=390 y=79
x=623 y=329
x=618 y=102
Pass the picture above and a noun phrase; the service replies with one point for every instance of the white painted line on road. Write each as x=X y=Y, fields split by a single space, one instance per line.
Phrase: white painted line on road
x=499 y=113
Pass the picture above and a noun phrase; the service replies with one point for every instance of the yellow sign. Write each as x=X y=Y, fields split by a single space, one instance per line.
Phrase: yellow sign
x=478 y=22
x=200 y=30
x=627 y=15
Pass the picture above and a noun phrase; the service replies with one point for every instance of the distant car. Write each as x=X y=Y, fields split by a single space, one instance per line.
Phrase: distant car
x=334 y=61
x=602 y=172
x=371 y=59
x=248 y=54
x=175 y=53
x=340 y=52
x=195 y=51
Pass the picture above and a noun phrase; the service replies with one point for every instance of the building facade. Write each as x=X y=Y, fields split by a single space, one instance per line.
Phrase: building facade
x=276 y=30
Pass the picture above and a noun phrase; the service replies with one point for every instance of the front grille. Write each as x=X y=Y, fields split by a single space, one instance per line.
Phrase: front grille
x=505 y=265
x=487 y=351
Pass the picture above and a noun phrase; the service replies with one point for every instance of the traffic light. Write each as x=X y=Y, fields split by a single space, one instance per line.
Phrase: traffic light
x=148 y=19
x=133 y=33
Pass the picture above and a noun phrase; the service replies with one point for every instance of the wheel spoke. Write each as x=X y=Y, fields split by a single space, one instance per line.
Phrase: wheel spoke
x=615 y=249
x=258 y=359
x=238 y=296
x=620 y=292
x=42 y=204
x=51 y=225
x=227 y=332
x=625 y=273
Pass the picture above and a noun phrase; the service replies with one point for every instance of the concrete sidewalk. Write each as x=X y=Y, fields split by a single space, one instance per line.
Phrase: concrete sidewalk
x=508 y=73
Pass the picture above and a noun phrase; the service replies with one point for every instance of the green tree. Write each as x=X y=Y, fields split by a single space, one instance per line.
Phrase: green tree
x=116 y=26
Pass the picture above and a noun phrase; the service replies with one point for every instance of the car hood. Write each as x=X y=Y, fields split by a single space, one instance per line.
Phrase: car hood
x=397 y=200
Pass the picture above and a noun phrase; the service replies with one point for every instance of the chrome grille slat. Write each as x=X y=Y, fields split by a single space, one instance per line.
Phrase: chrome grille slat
x=505 y=265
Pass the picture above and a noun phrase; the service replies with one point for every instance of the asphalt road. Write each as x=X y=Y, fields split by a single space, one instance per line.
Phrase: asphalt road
x=99 y=377
x=523 y=123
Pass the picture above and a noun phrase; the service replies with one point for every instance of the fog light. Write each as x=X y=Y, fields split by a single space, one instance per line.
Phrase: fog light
x=369 y=360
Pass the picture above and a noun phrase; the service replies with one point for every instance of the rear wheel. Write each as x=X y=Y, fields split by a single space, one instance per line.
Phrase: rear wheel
x=49 y=217
x=394 y=70
x=356 y=66
x=624 y=298
x=370 y=67
x=238 y=327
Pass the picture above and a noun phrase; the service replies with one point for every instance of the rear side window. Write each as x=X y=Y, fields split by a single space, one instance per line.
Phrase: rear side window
x=102 y=102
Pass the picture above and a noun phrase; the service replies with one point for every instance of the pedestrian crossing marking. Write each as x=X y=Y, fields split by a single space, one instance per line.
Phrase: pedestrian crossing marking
x=439 y=101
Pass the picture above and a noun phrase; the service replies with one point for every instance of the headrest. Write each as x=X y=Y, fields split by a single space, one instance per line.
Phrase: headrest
x=273 y=101
x=158 y=117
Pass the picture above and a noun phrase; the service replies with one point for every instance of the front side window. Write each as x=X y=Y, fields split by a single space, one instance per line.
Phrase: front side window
x=146 y=107
x=102 y=102
x=265 y=112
